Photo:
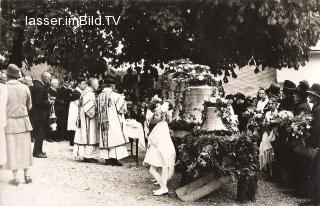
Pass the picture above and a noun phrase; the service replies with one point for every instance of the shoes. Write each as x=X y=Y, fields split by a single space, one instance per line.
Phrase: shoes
x=14 y=182
x=27 y=179
x=117 y=163
x=109 y=162
x=160 y=192
x=40 y=155
x=90 y=160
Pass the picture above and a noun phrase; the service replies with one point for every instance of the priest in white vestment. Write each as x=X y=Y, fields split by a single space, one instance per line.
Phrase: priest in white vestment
x=111 y=109
x=86 y=140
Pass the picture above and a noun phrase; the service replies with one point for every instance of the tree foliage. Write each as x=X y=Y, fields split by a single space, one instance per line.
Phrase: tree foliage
x=221 y=34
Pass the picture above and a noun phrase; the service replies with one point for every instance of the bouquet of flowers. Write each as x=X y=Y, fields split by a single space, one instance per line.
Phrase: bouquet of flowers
x=256 y=119
x=300 y=128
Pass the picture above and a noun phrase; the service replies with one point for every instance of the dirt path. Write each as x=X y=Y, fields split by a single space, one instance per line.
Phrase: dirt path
x=59 y=180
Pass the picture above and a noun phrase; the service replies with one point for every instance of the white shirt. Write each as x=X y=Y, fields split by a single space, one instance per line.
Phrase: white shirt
x=261 y=104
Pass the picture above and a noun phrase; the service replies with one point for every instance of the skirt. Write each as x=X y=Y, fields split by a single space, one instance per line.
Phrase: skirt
x=3 y=146
x=18 y=151
x=153 y=157
x=116 y=153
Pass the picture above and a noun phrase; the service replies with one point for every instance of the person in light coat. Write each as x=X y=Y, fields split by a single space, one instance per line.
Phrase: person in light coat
x=3 y=122
x=18 y=127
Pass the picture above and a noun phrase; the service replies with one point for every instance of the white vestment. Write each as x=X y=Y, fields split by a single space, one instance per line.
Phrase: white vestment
x=86 y=140
x=111 y=107
x=73 y=113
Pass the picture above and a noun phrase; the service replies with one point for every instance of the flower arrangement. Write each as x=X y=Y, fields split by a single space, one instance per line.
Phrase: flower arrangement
x=177 y=77
x=256 y=119
x=300 y=128
x=182 y=125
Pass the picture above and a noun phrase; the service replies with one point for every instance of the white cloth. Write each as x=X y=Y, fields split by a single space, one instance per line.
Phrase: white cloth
x=86 y=139
x=134 y=130
x=165 y=154
x=111 y=107
x=73 y=113
x=261 y=104
x=149 y=115
x=265 y=149
x=3 y=122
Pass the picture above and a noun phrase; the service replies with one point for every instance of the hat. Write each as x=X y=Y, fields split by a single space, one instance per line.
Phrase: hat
x=315 y=90
x=13 y=71
x=289 y=86
x=229 y=96
x=302 y=88
x=274 y=89
x=240 y=96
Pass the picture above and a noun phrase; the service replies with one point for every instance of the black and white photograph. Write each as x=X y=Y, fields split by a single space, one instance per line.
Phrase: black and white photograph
x=159 y=102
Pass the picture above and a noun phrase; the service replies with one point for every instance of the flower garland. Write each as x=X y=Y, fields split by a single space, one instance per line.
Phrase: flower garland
x=178 y=77
x=220 y=152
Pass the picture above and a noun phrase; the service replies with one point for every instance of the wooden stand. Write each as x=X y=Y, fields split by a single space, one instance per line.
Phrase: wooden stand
x=201 y=187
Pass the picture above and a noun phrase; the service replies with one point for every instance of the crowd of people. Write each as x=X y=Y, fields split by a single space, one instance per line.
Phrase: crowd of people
x=283 y=159
x=91 y=113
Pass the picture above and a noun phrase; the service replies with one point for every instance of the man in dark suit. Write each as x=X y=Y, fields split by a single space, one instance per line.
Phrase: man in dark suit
x=64 y=97
x=40 y=112
x=314 y=97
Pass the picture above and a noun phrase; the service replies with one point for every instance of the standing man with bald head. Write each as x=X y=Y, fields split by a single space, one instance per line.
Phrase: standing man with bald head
x=40 y=112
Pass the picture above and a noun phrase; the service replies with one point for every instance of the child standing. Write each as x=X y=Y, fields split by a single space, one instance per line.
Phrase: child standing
x=161 y=152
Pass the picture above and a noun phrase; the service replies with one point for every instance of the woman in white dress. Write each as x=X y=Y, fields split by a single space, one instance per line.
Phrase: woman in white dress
x=161 y=152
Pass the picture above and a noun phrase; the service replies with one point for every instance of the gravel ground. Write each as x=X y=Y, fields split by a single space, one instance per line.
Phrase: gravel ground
x=60 y=180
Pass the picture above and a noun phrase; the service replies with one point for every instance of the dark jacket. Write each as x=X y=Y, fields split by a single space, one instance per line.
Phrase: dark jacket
x=301 y=107
x=287 y=104
x=40 y=101
x=315 y=135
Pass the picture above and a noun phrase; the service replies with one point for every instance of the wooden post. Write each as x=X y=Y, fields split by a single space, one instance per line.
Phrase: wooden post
x=201 y=187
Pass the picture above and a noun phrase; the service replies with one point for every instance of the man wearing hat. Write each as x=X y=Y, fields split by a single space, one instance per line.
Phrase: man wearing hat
x=273 y=91
x=299 y=177
x=314 y=97
x=301 y=98
x=287 y=101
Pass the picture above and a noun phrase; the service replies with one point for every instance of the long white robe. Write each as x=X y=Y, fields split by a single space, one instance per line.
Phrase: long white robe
x=73 y=113
x=86 y=140
x=161 y=151
x=111 y=107
x=3 y=122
